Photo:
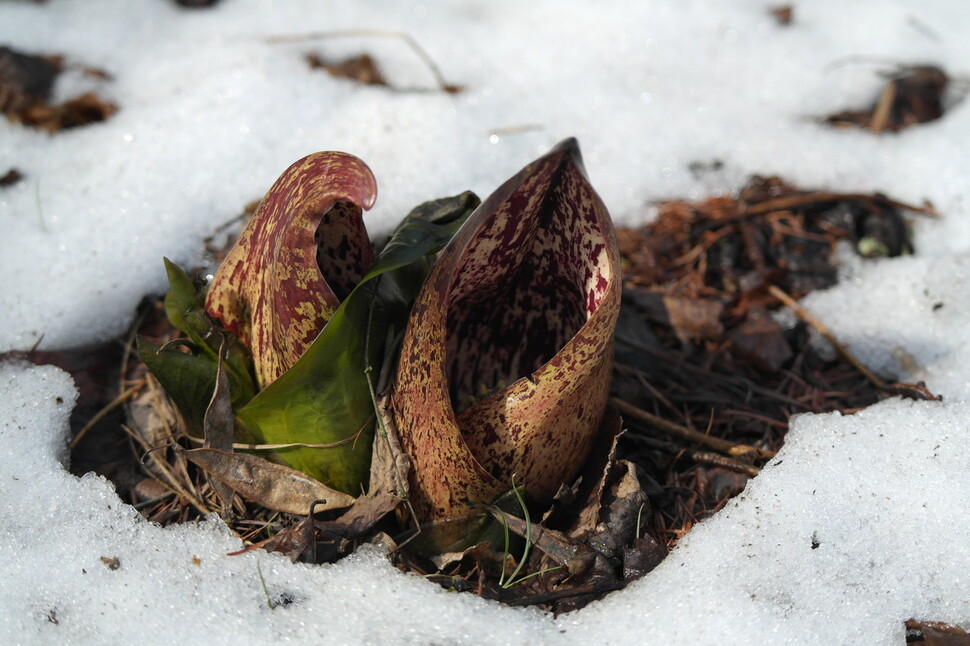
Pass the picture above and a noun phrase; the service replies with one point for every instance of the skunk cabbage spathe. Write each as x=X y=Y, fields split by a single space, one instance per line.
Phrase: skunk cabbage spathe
x=282 y=290
x=299 y=256
x=505 y=366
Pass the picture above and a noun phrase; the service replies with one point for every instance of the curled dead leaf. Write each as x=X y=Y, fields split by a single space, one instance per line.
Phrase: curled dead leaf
x=271 y=485
x=219 y=428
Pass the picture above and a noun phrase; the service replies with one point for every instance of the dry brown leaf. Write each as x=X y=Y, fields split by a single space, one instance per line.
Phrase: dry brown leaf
x=26 y=82
x=691 y=319
x=219 y=428
x=78 y=111
x=760 y=340
x=483 y=555
x=10 y=178
x=784 y=14
x=271 y=485
x=936 y=633
x=366 y=512
x=292 y=541
x=596 y=475
x=912 y=95
x=390 y=465
x=360 y=68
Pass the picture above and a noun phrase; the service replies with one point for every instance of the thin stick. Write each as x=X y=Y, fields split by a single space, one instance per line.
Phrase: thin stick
x=685 y=433
x=158 y=396
x=761 y=418
x=515 y=130
x=643 y=381
x=169 y=480
x=806 y=316
x=705 y=457
x=276 y=447
x=858 y=59
x=788 y=202
x=880 y=116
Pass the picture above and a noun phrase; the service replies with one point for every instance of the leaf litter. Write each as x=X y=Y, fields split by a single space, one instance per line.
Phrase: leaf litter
x=911 y=95
x=26 y=87
x=363 y=68
x=706 y=377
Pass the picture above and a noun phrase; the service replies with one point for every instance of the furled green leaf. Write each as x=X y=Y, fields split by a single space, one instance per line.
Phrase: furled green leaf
x=425 y=230
x=189 y=379
x=180 y=300
x=184 y=310
x=505 y=365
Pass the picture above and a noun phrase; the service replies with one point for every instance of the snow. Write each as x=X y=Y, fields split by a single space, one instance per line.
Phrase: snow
x=211 y=113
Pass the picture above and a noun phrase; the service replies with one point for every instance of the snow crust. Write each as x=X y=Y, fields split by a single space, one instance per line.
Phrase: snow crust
x=211 y=113
x=881 y=495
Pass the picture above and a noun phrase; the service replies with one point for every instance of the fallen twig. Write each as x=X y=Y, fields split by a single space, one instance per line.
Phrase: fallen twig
x=792 y=201
x=685 y=433
x=717 y=460
x=806 y=316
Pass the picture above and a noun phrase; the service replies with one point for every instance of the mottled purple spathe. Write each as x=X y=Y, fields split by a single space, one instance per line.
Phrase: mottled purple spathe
x=505 y=365
x=302 y=252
